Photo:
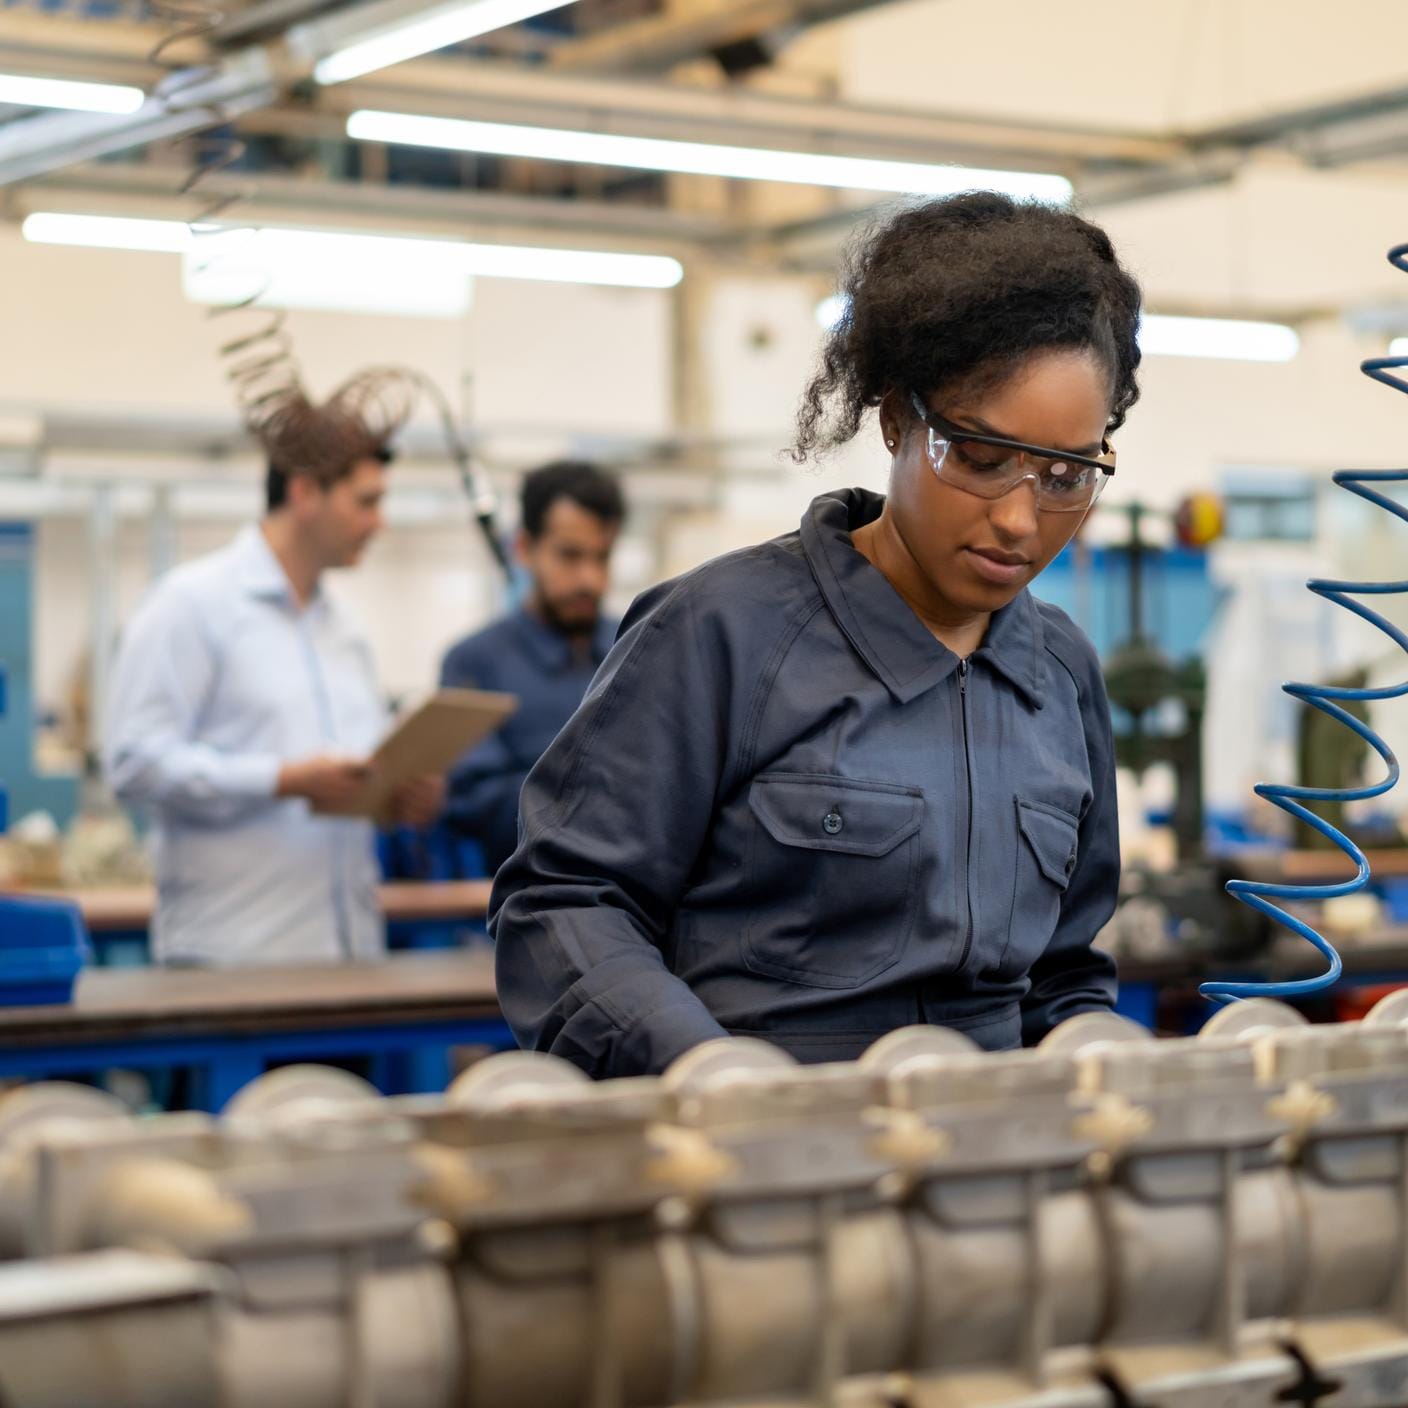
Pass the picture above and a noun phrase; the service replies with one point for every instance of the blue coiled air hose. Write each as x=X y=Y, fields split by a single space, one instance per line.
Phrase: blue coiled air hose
x=1290 y=799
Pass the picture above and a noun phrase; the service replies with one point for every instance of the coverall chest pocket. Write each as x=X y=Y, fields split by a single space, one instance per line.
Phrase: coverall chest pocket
x=833 y=864
x=1045 y=858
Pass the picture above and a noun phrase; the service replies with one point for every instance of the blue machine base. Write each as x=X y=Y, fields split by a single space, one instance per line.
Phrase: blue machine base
x=407 y=1059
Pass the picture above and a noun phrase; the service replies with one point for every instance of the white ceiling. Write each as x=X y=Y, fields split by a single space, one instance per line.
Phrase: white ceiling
x=1134 y=65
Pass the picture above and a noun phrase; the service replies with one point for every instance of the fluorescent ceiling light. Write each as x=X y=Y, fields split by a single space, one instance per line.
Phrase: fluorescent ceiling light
x=697 y=158
x=332 y=273
x=65 y=93
x=285 y=257
x=395 y=40
x=1224 y=338
x=107 y=232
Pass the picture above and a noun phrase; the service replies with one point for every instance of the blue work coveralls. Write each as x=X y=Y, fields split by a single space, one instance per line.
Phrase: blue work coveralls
x=784 y=810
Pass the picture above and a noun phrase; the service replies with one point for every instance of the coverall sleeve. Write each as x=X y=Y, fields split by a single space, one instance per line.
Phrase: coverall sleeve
x=612 y=820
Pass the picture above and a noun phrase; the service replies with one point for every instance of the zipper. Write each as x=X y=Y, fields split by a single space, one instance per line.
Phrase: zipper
x=968 y=775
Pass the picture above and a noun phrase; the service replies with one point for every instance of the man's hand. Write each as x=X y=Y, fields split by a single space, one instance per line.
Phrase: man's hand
x=327 y=782
x=418 y=803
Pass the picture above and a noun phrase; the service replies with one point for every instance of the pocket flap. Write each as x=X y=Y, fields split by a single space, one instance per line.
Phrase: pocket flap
x=1052 y=834
x=821 y=813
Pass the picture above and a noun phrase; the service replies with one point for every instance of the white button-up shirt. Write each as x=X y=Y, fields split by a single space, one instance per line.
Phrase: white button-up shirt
x=222 y=677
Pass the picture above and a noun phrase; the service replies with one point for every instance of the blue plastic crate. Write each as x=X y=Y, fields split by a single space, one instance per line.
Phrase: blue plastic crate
x=43 y=947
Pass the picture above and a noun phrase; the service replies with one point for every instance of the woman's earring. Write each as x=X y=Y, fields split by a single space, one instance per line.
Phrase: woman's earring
x=889 y=444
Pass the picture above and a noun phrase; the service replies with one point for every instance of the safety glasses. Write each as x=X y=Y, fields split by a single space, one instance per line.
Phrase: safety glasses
x=992 y=465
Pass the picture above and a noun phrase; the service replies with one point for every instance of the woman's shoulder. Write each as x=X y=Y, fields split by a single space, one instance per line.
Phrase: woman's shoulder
x=752 y=592
x=1071 y=649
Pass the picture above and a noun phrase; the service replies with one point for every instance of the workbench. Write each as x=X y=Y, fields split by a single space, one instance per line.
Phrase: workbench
x=1318 y=867
x=1148 y=988
x=419 y=915
x=227 y=1024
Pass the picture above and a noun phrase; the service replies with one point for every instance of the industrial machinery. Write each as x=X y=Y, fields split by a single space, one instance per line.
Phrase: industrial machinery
x=1158 y=705
x=1141 y=680
x=1106 y=1221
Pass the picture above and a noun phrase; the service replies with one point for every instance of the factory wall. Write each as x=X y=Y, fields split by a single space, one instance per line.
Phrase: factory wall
x=100 y=328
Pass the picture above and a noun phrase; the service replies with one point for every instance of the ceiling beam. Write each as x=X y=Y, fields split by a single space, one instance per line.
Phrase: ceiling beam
x=514 y=93
x=64 y=46
x=150 y=191
x=661 y=41
x=118 y=51
x=34 y=145
x=265 y=19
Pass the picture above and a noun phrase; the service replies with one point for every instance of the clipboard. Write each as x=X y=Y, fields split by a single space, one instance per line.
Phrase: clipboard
x=425 y=740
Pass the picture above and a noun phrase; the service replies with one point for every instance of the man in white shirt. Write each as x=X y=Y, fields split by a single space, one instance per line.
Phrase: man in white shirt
x=244 y=703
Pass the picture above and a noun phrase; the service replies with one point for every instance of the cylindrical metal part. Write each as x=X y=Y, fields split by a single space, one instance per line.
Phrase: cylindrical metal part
x=1352 y=1241
x=295 y=1359
x=788 y=1292
x=979 y=1282
x=548 y=1312
x=112 y=1330
x=761 y=1316
x=1166 y=1266
x=406 y=1331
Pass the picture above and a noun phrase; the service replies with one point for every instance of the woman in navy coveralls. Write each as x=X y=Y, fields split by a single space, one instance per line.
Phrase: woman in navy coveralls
x=859 y=777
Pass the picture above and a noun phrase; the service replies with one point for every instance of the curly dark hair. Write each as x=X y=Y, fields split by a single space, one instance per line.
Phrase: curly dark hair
x=955 y=292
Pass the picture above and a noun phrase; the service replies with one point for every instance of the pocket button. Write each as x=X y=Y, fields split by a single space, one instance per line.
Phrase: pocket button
x=831 y=823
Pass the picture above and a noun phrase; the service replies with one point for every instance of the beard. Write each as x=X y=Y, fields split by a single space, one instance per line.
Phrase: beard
x=570 y=623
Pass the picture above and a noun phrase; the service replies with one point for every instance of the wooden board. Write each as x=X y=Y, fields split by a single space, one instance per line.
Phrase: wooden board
x=111 y=1004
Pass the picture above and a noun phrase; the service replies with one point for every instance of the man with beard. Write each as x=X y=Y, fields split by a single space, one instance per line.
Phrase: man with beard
x=545 y=652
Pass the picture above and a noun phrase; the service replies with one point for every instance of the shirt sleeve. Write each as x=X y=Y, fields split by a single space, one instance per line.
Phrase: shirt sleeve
x=613 y=818
x=1071 y=976
x=484 y=785
x=152 y=755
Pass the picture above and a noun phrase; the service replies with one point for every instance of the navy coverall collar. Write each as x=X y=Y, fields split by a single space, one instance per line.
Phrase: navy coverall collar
x=552 y=649
x=888 y=636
